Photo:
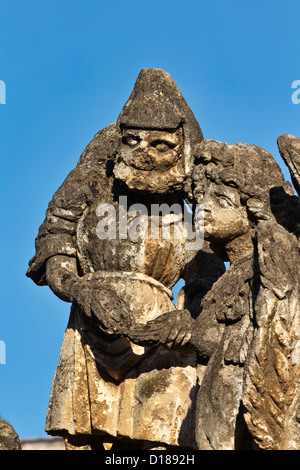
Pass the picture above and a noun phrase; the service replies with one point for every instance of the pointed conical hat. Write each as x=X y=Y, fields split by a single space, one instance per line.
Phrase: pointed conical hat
x=157 y=103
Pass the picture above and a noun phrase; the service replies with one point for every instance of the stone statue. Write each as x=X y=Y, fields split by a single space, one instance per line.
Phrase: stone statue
x=247 y=332
x=107 y=389
x=9 y=439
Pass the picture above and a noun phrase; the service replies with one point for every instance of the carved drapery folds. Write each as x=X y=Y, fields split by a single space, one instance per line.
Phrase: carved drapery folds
x=220 y=370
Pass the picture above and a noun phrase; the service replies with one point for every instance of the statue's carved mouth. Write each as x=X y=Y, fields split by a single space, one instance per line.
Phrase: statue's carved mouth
x=158 y=181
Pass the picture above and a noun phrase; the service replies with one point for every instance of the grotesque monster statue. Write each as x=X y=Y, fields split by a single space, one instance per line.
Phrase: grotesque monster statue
x=247 y=334
x=107 y=389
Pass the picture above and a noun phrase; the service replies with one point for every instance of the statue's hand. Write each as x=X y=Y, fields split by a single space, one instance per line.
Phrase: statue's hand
x=110 y=313
x=172 y=330
x=104 y=308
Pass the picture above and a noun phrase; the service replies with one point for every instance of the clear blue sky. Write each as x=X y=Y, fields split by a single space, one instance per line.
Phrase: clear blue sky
x=69 y=67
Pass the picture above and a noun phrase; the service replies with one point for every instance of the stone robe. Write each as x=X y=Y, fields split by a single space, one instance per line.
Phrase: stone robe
x=103 y=384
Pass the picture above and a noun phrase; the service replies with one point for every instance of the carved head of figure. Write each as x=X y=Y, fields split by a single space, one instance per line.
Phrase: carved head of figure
x=234 y=184
x=158 y=134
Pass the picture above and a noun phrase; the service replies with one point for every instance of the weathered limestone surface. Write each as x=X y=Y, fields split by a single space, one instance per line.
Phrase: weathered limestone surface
x=248 y=329
x=105 y=386
x=219 y=371
x=9 y=439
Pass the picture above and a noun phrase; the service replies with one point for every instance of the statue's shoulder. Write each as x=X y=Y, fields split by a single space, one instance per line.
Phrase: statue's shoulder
x=91 y=174
x=101 y=148
x=278 y=257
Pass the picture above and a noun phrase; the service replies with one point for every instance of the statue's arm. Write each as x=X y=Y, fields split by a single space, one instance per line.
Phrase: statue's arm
x=63 y=279
x=57 y=234
x=183 y=327
x=107 y=312
x=172 y=330
x=56 y=262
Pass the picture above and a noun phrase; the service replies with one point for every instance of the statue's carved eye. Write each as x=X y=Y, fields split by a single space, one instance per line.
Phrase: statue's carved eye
x=131 y=140
x=224 y=201
x=162 y=145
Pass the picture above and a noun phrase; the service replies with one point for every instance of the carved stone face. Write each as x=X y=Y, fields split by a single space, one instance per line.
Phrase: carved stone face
x=225 y=218
x=151 y=160
x=150 y=149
